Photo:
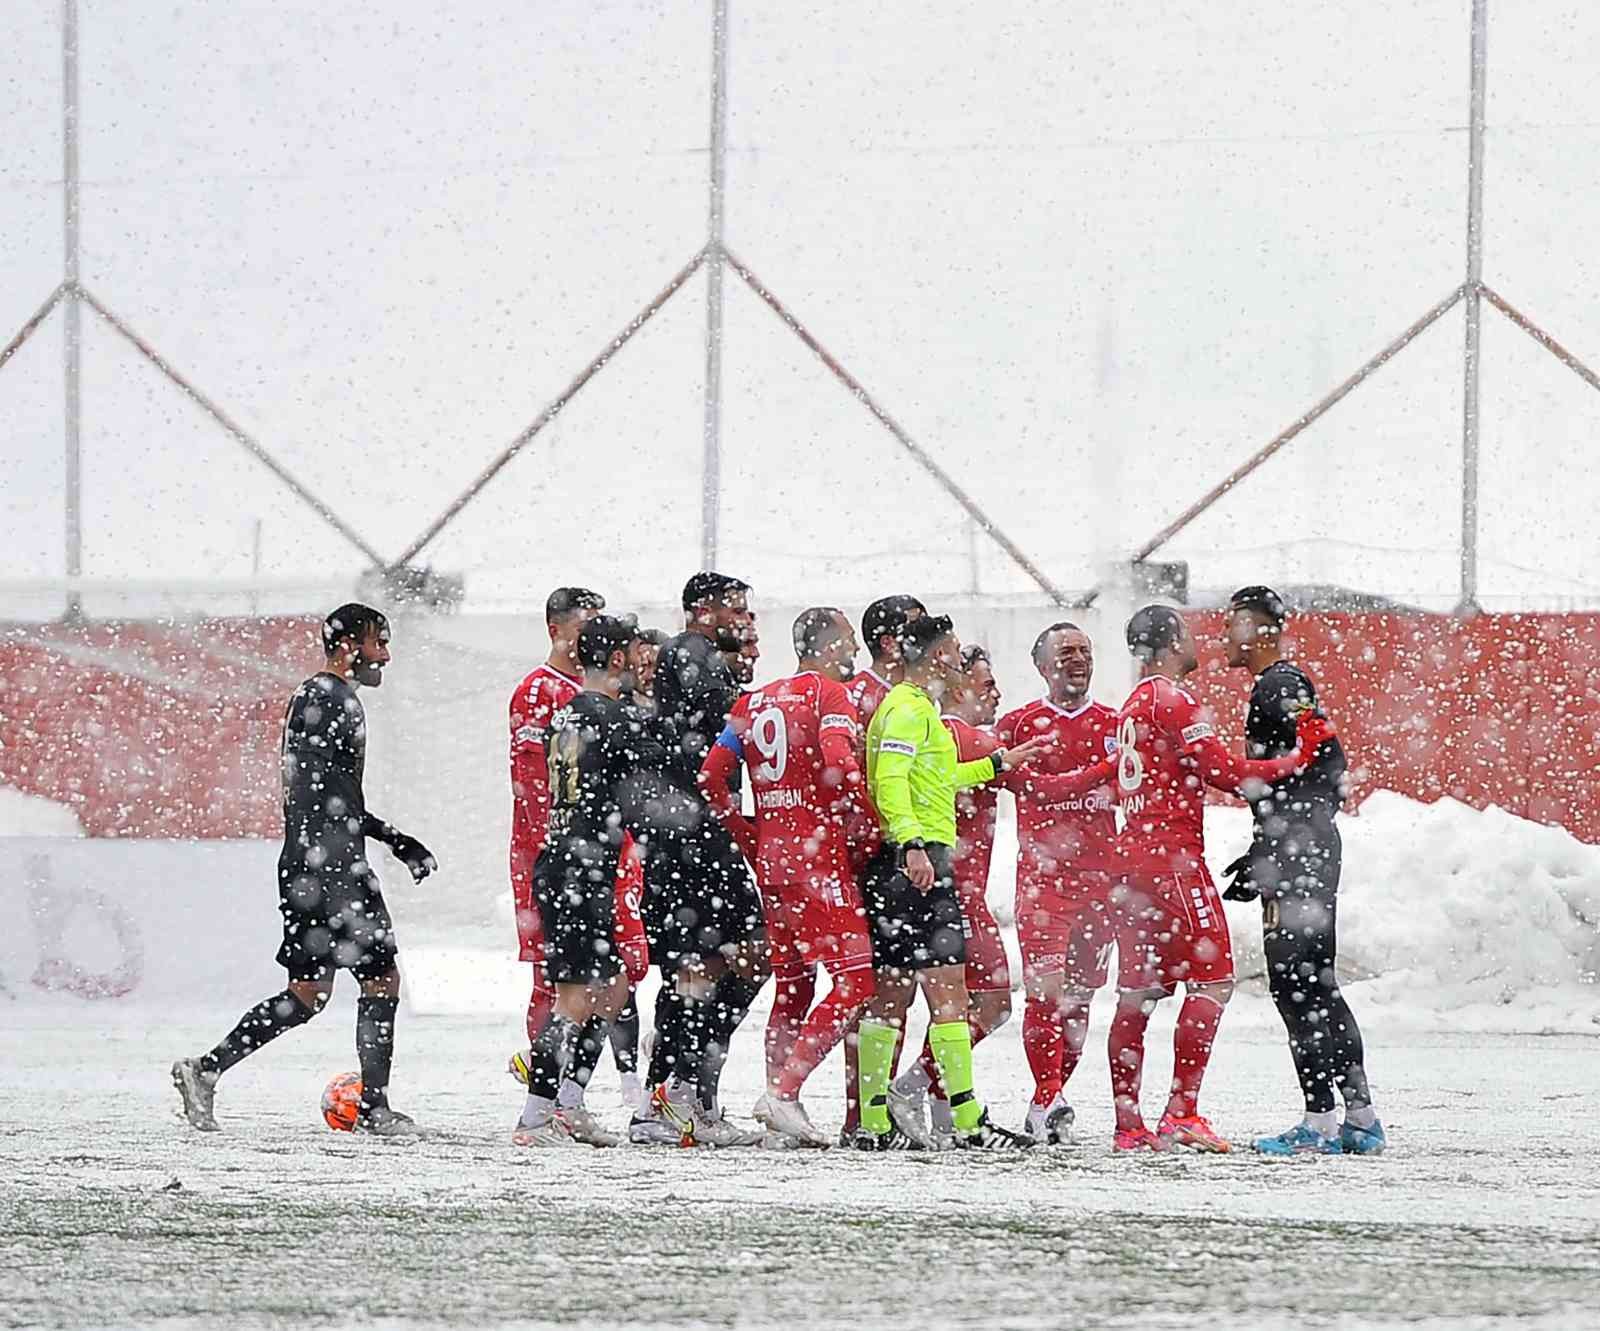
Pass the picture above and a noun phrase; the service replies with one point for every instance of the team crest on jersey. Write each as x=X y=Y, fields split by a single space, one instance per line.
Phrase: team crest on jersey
x=1110 y=741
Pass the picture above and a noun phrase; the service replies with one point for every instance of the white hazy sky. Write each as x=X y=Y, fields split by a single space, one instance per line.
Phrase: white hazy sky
x=1089 y=255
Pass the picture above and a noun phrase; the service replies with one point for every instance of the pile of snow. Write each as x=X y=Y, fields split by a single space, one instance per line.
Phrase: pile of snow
x=34 y=816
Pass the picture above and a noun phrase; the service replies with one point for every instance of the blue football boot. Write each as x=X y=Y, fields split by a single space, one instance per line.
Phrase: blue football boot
x=1300 y=1140
x=1363 y=1141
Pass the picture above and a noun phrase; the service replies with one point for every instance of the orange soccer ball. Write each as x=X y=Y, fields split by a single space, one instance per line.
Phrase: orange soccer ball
x=341 y=1101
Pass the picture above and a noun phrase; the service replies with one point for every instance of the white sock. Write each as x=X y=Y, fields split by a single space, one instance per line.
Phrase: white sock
x=913 y=1081
x=569 y=1095
x=1362 y=1118
x=1324 y=1123
x=538 y=1111
x=940 y=1116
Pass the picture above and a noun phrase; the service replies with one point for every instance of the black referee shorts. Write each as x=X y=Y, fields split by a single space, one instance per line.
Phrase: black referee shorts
x=914 y=930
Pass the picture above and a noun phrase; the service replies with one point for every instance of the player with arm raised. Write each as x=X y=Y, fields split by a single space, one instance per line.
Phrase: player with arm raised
x=594 y=748
x=334 y=916
x=1172 y=929
x=797 y=738
x=881 y=624
x=1065 y=857
x=913 y=774
x=1293 y=865
x=969 y=708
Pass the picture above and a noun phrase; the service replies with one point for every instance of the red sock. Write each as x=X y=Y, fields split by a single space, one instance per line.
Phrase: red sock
x=930 y=1065
x=1198 y=1020
x=541 y=1003
x=1044 y=1041
x=791 y=998
x=1075 y=1027
x=824 y=1028
x=1126 y=1049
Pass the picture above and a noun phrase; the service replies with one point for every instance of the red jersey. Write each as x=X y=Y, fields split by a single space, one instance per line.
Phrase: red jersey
x=975 y=811
x=862 y=830
x=797 y=737
x=1167 y=754
x=1058 y=838
x=535 y=701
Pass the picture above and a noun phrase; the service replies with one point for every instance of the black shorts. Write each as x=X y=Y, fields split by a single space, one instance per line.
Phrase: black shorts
x=578 y=909
x=699 y=898
x=329 y=927
x=914 y=930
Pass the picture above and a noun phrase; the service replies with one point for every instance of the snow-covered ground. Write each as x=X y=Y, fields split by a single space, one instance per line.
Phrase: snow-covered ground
x=1471 y=950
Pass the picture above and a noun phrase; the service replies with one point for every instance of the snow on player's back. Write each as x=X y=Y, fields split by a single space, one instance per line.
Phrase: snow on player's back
x=1160 y=784
x=786 y=731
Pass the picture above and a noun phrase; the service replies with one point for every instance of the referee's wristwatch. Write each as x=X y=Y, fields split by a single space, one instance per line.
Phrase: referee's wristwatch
x=998 y=759
x=906 y=847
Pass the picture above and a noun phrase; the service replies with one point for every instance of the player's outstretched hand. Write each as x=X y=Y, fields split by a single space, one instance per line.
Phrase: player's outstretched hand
x=1241 y=887
x=1312 y=731
x=1020 y=755
x=414 y=855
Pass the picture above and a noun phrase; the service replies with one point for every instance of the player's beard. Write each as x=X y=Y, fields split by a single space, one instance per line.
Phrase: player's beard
x=366 y=672
x=728 y=639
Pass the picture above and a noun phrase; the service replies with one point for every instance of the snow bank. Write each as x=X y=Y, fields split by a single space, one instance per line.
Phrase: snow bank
x=31 y=816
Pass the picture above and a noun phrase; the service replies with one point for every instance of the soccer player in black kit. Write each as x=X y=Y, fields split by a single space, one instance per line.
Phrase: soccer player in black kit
x=701 y=908
x=1293 y=866
x=334 y=917
x=596 y=750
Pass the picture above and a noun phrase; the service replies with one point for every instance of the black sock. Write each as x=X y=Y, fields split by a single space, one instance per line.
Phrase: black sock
x=265 y=1022
x=625 y=1036
x=666 y=1032
x=375 y=1048
x=730 y=1003
x=551 y=1055
x=586 y=1057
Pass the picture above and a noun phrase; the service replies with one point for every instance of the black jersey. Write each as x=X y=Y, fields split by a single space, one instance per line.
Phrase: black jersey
x=694 y=691
x=1282 y=691
x=324 y=759
x=596 y=751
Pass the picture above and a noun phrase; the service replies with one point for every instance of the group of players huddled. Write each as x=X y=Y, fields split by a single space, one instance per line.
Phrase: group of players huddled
x=867 y=857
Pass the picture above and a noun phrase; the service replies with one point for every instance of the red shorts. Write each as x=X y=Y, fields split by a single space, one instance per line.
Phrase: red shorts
x=806 y=929
x=1171 y=930
x=1070 y=939
x=988 y=970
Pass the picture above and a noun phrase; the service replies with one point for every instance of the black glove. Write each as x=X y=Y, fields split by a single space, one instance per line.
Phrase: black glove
x=407 y=849
x=1241 y=887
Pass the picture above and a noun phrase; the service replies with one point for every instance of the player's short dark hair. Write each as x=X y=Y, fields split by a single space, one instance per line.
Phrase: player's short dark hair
x=886 y=616
x=919 y=637
x=972 y=654
x=1152 y=630
x=1263 y=600
x=567 y=601
x=812 y=627
x=602 y=637
x=711 y=589
x=353 y=621
x=655 y=637
x=1044 y=637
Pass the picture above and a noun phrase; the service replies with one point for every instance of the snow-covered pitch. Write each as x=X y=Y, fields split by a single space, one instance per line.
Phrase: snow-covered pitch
x=1471 y=945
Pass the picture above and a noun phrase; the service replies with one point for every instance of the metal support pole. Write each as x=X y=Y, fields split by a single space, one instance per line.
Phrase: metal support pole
x=550 y=412
x=34 y=320
x=72 y=412
x=1541 y=337
x=1474 y=292
x=711 y=477
x=249 y=441
x=1279 y=440
x=946 y=481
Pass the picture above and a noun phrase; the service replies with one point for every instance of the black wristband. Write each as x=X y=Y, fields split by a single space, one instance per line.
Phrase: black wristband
x=997 y=761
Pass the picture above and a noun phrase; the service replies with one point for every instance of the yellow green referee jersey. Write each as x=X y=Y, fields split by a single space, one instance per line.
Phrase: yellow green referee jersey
x=912 y=769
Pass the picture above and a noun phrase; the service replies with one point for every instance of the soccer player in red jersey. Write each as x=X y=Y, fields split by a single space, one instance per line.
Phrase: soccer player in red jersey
x=1172 y=928
x=797 y=738
x=969 y=708
x=543 y=693
x=1066 y=852
x=881 y=625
